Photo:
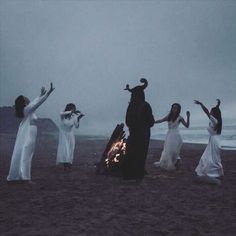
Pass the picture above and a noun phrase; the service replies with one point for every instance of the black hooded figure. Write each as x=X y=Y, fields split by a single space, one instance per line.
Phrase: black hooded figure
x=139 y=120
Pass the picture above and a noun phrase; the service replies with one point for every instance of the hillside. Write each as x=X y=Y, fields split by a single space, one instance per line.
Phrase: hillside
x=9 y=123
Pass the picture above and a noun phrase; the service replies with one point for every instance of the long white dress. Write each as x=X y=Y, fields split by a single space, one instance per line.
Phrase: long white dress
x=172 y=146
x=20 y=168
x=66 y=145
x=210 y=162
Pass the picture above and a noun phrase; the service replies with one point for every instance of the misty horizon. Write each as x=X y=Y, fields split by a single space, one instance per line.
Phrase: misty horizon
x=90 y=50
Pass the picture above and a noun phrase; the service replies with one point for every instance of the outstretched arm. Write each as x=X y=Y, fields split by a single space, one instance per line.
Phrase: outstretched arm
x=186 y=123
x=65 y=113
x=203 y=107
x=162 y=120
x=32 y=106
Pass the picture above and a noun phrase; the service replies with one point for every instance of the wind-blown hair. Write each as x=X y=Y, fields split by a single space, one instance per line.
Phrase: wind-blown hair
x=172 y=116
x=19 y=106
x=215 y=111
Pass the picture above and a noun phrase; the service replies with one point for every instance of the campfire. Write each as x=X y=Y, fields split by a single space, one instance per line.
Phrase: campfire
x=114 y=153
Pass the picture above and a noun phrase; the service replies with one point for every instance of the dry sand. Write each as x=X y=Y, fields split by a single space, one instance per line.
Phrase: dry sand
x=78 y=202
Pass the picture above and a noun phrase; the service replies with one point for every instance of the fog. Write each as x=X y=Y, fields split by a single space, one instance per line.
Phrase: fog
x=91 y=49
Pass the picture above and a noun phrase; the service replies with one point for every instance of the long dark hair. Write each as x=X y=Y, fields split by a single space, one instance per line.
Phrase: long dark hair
x=69 y=107
x=215 y=111
x=19 y=106
x=172 y=116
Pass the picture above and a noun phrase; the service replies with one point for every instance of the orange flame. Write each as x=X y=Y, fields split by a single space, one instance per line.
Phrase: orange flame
x=117 y=148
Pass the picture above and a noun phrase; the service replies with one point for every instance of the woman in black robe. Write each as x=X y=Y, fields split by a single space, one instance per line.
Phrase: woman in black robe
x=139 y=120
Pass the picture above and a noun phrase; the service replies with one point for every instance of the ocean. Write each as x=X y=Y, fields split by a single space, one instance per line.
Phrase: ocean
x=200 y=135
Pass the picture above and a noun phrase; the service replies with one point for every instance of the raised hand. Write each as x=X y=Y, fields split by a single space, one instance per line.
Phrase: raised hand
x=81 y=115
x=77 y=112
x=43 y=91
x=127 y=88
x=187 y=113
x=51 y=88
x=197 y=102
x=203 y=107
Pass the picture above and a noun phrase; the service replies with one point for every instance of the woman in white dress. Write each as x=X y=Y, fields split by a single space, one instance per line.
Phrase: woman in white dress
x=170 y=159
x=69 y=121
x=210 y=162
x=20 y=168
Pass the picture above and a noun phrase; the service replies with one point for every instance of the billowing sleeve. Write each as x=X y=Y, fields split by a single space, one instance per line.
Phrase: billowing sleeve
x=33 y=105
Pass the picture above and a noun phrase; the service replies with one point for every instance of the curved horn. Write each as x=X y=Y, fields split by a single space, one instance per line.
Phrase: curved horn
x=145 y=83
x=127 y=88
x=218 y=102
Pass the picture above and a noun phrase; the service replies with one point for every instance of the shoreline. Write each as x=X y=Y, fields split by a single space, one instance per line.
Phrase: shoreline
x=158 y=142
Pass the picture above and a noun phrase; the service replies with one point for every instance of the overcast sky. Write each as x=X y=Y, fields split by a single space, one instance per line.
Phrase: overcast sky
x=91 y=49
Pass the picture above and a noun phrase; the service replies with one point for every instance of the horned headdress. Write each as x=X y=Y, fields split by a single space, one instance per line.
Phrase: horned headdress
x=138 y=91
x=139 y=87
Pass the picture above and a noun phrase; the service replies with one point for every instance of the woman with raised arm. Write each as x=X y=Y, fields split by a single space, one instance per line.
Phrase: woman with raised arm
x=170 y=159
x=210 y=162
x=20 y=168
x=69 y=120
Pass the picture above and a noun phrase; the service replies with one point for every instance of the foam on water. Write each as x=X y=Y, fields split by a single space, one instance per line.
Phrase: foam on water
x=200 y=135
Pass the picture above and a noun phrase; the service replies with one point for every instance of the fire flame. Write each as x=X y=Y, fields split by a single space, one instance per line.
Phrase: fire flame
x=116 y=151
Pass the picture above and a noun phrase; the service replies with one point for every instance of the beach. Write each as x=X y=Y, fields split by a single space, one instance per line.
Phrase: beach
x=79 y=202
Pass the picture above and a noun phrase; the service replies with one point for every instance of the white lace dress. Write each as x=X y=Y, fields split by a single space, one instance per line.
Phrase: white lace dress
x=172 y=146
x=210 y=162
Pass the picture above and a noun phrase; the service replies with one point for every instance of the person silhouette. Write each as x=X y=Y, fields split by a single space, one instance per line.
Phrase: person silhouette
x=139 y=119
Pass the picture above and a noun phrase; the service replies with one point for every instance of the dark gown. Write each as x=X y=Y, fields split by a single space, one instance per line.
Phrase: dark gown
x=139 y=120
